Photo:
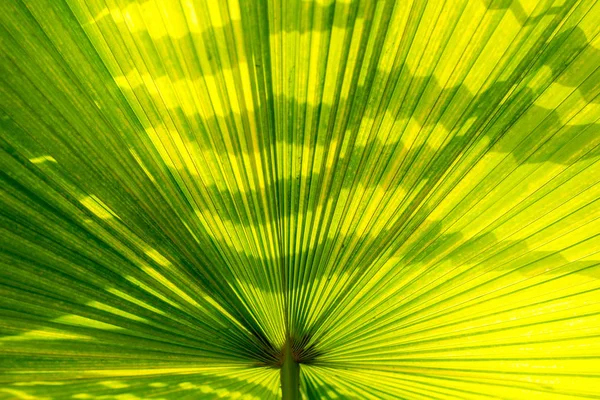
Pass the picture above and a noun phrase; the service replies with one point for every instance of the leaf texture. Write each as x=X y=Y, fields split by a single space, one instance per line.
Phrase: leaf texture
x=407 y=189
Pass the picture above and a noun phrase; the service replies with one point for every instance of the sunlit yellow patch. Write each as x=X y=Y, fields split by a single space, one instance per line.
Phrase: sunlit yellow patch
x=410 y=136
x=102 y=14
x=174 y=288
x=82 y=396
x=133 y=300
x=114 y=384
x=124 y=372
x=78 y=320
x=98 y=207
x=192 y=17
x=159 y=258
x=150 y=290
x=41 y=159
x=205 y=389
x=114 y=310
x=141 y=164
x=127 y=396
x=187 y=385
x=39 y=383
x=554 y=95
x=44 y=334
x=20 y=394
x=589 y=115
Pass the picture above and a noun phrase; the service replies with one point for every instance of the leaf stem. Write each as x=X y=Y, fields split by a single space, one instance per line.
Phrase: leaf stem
x=290 y=373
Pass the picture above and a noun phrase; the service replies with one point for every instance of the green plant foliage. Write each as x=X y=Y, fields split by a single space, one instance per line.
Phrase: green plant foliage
x=404 y=193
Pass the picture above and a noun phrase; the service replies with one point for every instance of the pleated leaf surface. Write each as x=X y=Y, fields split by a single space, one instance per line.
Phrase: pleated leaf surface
x=407 y=189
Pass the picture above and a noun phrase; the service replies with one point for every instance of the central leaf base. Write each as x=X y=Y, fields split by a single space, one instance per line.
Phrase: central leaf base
x=290 y=373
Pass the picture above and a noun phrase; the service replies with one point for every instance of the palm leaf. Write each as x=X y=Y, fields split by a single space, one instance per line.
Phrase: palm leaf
x=381 y=199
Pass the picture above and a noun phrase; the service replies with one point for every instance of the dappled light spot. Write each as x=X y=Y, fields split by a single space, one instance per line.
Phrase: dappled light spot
x=78 y=320
x=221 y=393
x=42 y=159
x=205 y=389
x=169 y=284
x=188 y=385
x=114 y=384
x=159 y=258
x=150 y=290
x=98 y=207
x=114 y=310
x=39 y=383
x=125 y=396
x=141 y=164
x=21 y=394
x=127 y=297
x=44 y=334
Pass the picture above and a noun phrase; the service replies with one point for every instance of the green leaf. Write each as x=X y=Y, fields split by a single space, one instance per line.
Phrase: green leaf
x=399 y=197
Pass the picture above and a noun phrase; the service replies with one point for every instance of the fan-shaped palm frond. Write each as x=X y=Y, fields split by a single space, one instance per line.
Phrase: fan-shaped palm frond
x=327 y=199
